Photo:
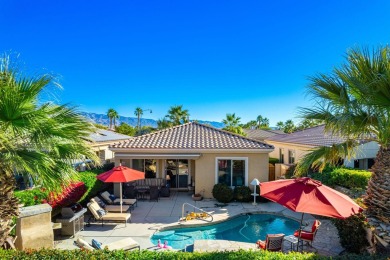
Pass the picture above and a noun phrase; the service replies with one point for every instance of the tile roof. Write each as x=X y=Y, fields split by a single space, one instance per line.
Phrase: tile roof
x=260 y=134
x=102 y=135
x=314 y=136
x=192 y=135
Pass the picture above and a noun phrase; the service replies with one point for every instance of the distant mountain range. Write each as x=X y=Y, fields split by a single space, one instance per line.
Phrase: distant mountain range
x=104 y=120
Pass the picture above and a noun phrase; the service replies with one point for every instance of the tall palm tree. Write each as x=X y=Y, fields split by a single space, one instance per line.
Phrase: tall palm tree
x=110 y=114
x=138 y=112
x=354 y=101
x=114 y=115
x=262 y=122
x=38 y=138
x=177 y=115
x=232 y=124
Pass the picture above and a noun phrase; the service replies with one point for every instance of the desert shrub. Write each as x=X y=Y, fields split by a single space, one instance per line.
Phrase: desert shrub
x=222 y=193
x=353 y=236
x=242 y=193
x=273 y=160
x=349 y=178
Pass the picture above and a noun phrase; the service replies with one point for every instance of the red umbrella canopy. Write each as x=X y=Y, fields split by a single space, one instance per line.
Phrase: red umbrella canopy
x=309 y=196
x=121 y=174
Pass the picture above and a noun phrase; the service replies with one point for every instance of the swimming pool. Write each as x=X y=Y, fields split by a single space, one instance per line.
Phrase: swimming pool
x=244 y=228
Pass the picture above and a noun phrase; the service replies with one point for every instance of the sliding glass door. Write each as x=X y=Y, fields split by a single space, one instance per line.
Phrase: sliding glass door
x=177 y=170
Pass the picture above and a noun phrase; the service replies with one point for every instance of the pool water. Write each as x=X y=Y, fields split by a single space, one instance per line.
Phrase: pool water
x=244 y=228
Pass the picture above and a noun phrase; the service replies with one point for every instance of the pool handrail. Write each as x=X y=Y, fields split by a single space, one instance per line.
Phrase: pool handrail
x=182 y=212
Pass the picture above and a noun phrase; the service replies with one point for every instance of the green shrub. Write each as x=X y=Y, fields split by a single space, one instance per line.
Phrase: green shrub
x=290 y=171
x=353 y=236
x=242 y=193
x=92 y=184
x=32 y=197
x=146 y=255
x=273 y=160
x=222 y=193
x=349 y=178
x=108 y=166
x=162 y=255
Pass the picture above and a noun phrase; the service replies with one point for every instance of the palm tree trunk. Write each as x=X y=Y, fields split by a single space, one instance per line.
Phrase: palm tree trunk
x=9 y=205
x=378 y=192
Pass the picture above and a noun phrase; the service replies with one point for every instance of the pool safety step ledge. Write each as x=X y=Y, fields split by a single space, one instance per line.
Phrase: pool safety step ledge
x=201 y=214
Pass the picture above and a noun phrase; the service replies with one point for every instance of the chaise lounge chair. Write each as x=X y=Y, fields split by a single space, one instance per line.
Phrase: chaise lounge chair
x=123 y=244
x=273 y=242
x=100 y=214
x=112 y=208
x=106 y=196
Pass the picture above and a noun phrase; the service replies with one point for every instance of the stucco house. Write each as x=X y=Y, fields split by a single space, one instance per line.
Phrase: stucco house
x=290 y=148
x=102 y=139
x=196 y=155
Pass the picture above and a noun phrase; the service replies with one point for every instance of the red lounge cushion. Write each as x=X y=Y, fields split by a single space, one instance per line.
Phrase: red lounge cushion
x=304 y=235
x=261 y=244
x=316 y=224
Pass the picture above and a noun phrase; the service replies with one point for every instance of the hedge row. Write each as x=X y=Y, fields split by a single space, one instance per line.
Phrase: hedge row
x=146 y=255
x=36 y=196
x=92 y=184
x=85 y=187
x=349 y=178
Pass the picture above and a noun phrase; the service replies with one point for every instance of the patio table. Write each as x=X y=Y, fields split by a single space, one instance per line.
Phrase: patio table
x=142 y=194
x=293 y=240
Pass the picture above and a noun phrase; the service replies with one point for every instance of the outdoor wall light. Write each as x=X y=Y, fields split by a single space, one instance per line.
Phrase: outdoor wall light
x=255 y=182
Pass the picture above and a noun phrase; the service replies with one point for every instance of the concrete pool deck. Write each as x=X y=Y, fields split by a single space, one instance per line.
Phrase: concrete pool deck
x=151 y=216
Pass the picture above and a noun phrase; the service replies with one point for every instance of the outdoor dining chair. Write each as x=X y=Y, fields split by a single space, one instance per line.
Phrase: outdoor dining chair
x=273 y=242
x=308 y=236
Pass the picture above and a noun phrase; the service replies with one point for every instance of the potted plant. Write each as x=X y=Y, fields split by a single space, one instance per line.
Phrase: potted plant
x=197 y=197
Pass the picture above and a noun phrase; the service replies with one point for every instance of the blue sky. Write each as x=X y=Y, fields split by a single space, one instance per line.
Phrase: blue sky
x=213 y=57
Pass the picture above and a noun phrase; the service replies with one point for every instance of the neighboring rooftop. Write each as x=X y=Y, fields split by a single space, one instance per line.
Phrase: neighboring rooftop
x=192 y=135
x=102 y=135
x=314 y=136
x=260 y=134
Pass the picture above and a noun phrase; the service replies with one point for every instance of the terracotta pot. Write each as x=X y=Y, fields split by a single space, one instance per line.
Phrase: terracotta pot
x=197 y=198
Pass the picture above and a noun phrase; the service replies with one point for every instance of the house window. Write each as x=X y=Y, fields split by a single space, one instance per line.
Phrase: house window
x=281 y=155
x=232 y=171
x=291 y=156
x=148 y=166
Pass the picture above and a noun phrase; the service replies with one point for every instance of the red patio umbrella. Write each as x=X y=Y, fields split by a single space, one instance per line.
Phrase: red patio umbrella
x=309 y=196
x=121 y=174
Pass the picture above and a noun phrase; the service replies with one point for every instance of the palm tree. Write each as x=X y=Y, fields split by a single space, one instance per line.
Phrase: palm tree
x=37 y=138
x=114 y=115
x=262 y=122
x=232 y=124
x=110 y=113
x=177 y=115
x=354 y=101
x=138 y=112
x=163 y=123
x=289 y=126
x=280 y=125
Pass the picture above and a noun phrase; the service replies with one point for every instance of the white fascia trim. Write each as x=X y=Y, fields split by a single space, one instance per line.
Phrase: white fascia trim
x=179 y=151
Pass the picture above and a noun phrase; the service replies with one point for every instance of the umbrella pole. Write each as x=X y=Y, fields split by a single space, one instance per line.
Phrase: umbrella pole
x=120 y=191
x=300 y=230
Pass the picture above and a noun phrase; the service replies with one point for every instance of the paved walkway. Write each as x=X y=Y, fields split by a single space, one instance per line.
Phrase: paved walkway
x=150 y=216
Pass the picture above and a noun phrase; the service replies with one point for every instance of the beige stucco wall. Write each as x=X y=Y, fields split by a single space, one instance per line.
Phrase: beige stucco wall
x=300 y=151
x=205 y=170
x=367 y=150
